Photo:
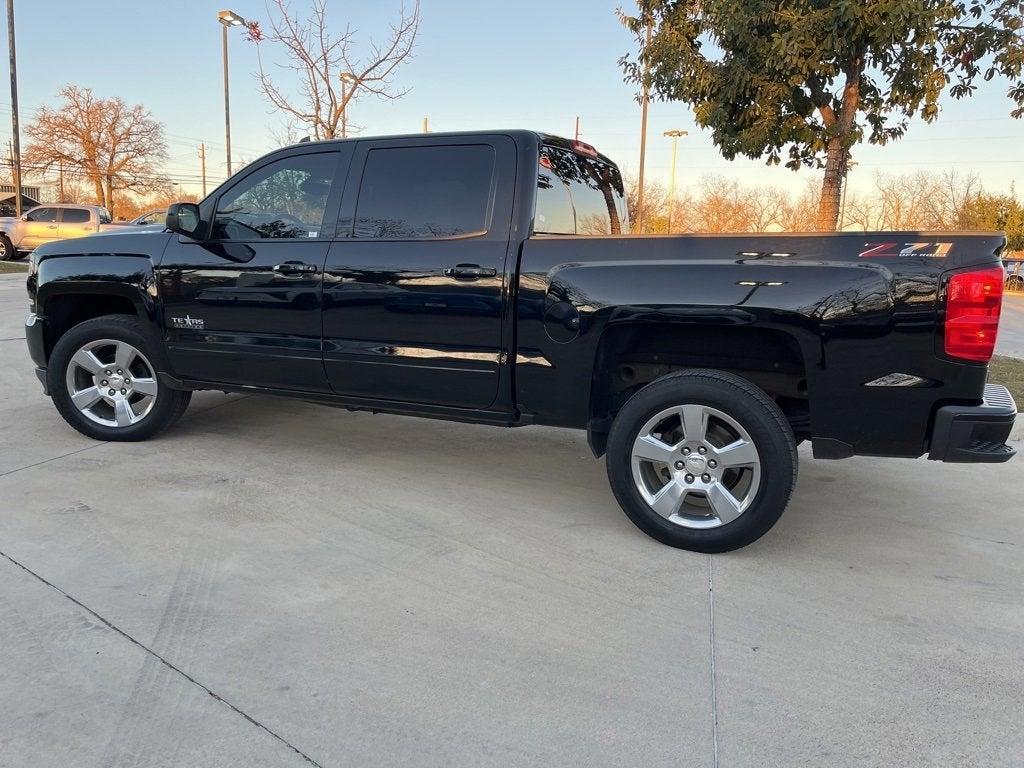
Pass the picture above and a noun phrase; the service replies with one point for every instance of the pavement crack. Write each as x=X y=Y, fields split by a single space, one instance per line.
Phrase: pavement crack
x=101 y=443
x=714 y=673
x=213 y=694
x=54 y=458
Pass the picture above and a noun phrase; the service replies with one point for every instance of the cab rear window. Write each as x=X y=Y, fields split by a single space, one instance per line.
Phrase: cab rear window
x=578 y=195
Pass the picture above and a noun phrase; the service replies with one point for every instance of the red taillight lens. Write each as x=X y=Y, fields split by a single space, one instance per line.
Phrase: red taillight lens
x=973 y=301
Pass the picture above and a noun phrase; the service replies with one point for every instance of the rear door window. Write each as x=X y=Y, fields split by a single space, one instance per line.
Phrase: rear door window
x=425 y=193
x=75 y=216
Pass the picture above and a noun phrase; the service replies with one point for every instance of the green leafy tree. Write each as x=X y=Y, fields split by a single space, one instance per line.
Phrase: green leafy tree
x=810 y=79
x=999 y=212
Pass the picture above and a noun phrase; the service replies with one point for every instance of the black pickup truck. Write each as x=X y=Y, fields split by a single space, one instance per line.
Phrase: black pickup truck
x=490 y=277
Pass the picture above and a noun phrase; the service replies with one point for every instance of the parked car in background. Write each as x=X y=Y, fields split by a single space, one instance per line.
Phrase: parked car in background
x=151 y=219
x=45 y=223
x=1014 y=274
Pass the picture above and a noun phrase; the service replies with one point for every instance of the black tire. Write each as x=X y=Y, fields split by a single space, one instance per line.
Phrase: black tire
x=168 y=404
x=748 y=406
x=7 y=250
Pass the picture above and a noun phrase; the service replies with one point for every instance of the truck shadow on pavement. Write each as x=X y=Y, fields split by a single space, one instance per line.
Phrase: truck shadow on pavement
x=838 y=507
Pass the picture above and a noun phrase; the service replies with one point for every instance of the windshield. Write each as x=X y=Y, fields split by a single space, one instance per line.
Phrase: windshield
x=578 y=195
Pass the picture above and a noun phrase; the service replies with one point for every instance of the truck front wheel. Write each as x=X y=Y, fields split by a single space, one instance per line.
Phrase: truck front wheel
x=702 y=460
x=103 y=380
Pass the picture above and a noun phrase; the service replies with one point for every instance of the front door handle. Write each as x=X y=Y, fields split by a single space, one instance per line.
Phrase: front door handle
x=469 y=272
x=293 y=267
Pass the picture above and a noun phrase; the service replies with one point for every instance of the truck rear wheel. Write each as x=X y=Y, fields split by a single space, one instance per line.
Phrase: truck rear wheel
x=103 y=380
x=702 y=460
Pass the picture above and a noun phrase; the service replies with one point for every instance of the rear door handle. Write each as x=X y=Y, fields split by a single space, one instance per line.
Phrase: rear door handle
x=469 y=272
x=293 y=267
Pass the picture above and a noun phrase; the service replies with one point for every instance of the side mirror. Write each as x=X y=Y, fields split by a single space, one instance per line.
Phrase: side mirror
x=183 y=218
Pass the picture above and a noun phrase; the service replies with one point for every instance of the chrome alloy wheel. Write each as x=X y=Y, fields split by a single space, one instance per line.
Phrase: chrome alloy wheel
x=696 y=466
x=111 y=383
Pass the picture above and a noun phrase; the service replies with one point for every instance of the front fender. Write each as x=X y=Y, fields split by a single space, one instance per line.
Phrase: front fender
x=131 y=277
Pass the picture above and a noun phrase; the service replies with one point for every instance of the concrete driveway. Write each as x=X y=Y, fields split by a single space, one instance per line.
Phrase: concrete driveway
x=280 y=584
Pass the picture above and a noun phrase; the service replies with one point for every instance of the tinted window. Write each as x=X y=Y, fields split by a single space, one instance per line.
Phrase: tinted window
x=554 y=214
x=595 y=192
x=43 y=214
x=285 y=198
x=425 y=192
x=75 y=216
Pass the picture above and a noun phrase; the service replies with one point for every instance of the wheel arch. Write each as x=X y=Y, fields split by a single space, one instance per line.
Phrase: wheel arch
x=632 y=354
x=66 y=304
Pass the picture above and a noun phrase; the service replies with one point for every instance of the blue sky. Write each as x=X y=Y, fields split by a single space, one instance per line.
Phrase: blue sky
x=528 y=64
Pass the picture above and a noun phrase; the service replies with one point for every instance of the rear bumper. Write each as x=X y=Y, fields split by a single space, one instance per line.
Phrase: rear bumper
x=975 y=433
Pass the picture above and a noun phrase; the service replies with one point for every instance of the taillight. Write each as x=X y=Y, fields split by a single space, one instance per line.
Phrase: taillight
x=973 y=301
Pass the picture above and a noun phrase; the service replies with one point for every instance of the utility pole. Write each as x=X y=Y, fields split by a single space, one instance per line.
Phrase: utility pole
x=60 y=179
x=577 y=136
x=426 y=125
x=16 y=129
x=644 y=99
x=202 y=160
x=674 y=135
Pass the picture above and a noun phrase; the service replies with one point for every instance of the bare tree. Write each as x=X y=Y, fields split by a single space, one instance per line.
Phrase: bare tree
x=655 y=213
x=915 y=201
x=330 y=73
x=106 y=143
x=132 y=206
x=801 y=214
x=768 y=207
x=949 y=207
x=906 y=200
x=862 y=211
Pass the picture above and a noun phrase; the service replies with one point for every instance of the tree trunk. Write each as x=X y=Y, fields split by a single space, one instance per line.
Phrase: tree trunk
x=613 y=213
x=97 y=183
x=109 y=201
x=832 y=186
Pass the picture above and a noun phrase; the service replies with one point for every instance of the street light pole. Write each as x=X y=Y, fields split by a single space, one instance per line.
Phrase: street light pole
x=227 y=19
x=16 y=129
x=674 y=134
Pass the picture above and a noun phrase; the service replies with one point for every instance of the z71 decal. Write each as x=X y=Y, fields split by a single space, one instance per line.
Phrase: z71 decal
x=931 y=250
